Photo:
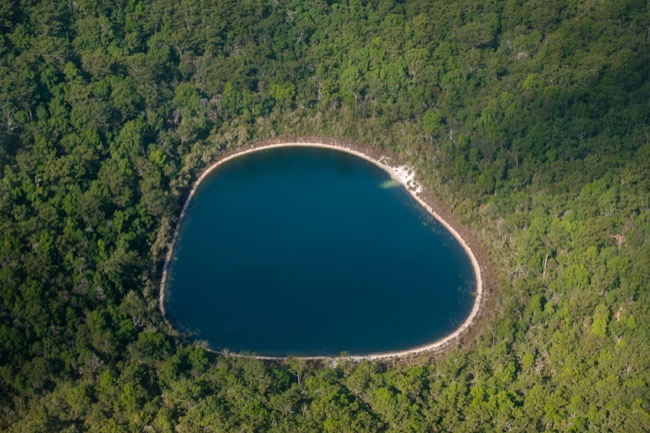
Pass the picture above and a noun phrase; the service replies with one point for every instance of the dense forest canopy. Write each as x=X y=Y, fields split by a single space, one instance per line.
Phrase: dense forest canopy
x=528 y=119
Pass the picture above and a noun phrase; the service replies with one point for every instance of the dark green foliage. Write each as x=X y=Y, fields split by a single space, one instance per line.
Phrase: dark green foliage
x=528 y=119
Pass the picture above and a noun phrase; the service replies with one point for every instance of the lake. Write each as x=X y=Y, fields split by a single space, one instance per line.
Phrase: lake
x=313 y=252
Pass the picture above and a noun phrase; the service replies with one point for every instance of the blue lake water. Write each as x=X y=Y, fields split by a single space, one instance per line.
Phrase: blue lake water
x=306 y=251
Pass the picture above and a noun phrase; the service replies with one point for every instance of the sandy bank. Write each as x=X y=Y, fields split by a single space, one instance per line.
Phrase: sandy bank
x=404 y=175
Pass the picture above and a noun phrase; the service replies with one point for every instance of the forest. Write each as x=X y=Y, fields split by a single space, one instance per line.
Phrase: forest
x=528 y=119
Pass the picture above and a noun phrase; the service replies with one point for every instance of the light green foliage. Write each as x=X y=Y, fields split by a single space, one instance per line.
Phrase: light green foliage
x=601 y=319
x=283 y=94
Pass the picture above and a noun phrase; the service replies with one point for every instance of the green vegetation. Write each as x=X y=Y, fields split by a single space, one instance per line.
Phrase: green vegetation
x=530 y=120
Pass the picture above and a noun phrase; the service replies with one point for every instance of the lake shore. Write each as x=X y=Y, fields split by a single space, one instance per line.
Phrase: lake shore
x=406 y=176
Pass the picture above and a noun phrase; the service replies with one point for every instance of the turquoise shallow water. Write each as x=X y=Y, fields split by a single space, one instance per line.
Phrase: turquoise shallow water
x=306 y=251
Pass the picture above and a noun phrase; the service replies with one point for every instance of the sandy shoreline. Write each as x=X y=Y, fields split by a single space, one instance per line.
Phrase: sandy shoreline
x=404 y=175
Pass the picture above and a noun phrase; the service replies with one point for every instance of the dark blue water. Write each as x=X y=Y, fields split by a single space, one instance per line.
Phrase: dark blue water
x=303 y=251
